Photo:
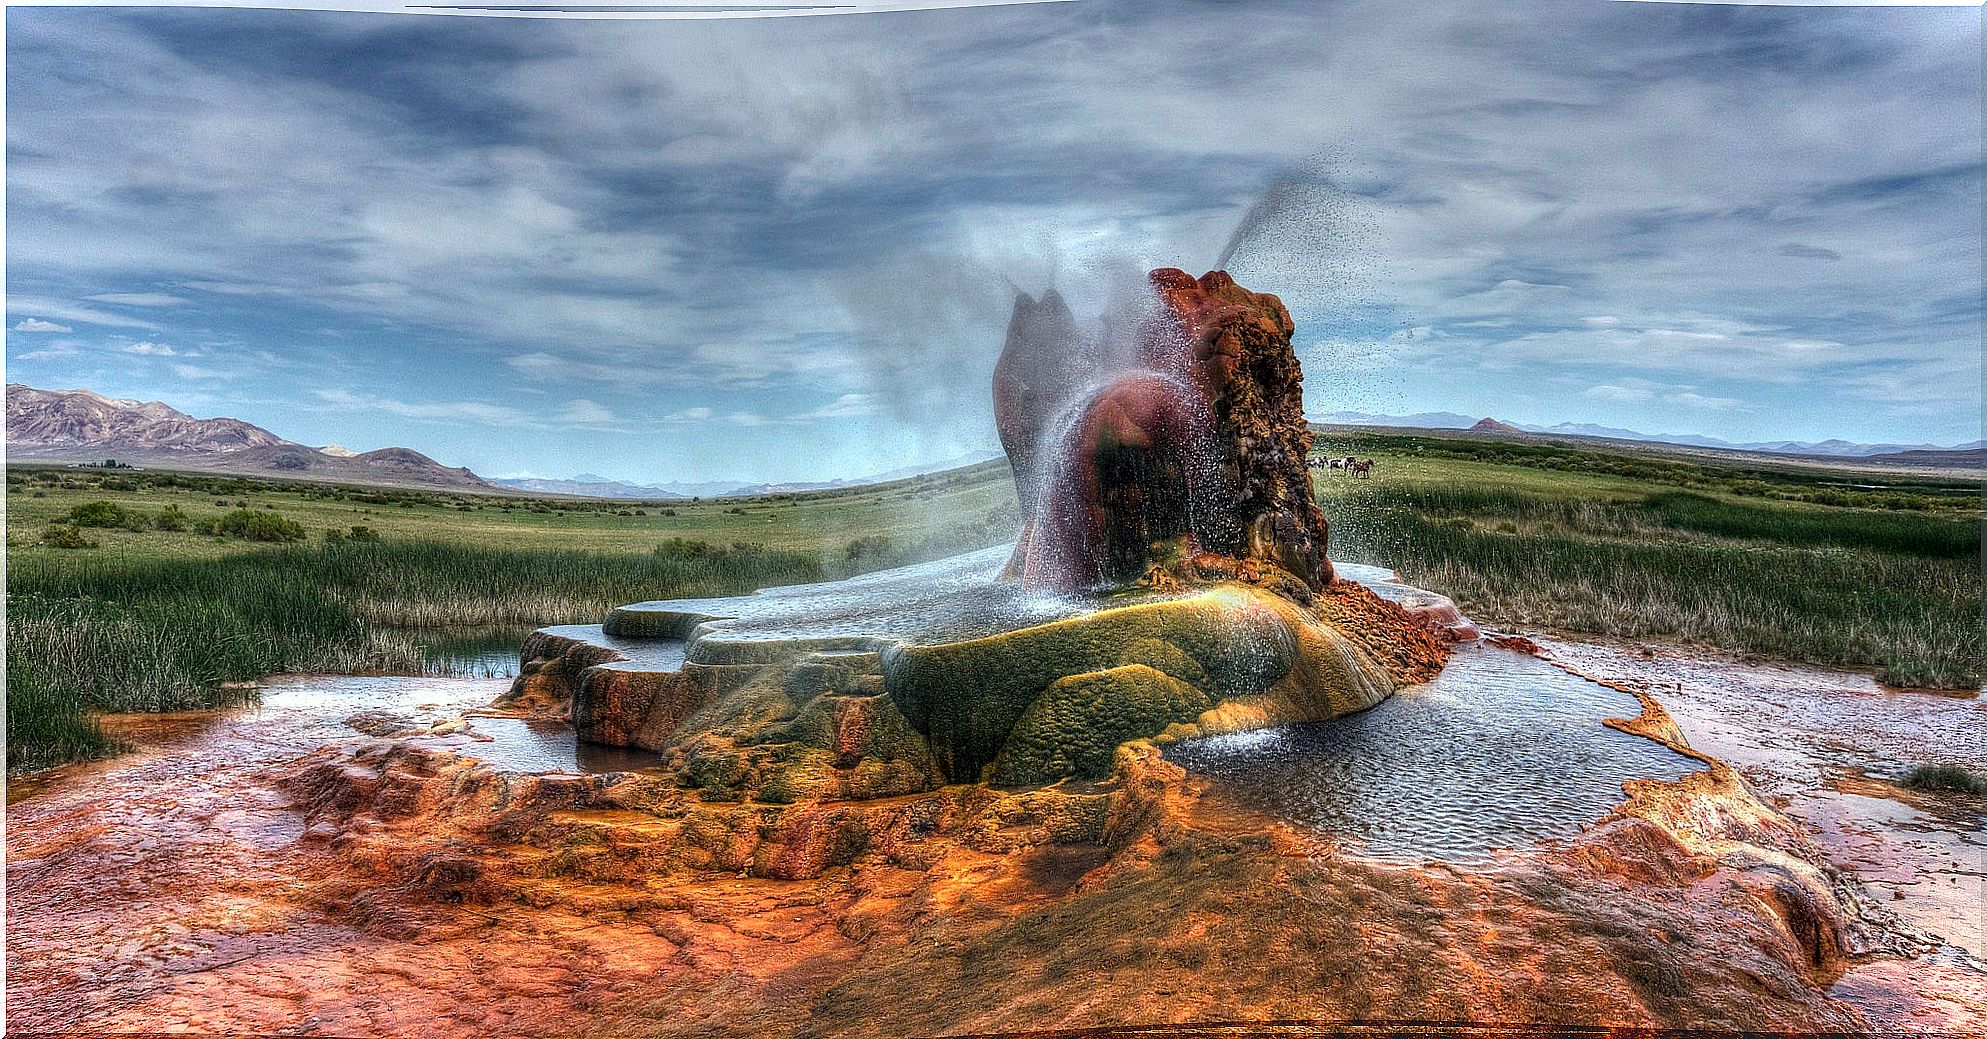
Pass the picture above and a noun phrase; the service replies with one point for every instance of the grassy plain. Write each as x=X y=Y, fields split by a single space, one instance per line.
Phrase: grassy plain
x=149 y=619
x=1815 y=565
x=1825 y=566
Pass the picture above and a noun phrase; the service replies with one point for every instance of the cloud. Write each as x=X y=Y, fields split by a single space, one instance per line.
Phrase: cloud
x=65 y=311
x=1621 y=393
x=768 y=214
x=1698 y=400
x=204 y=374
x=137 y=299
x=427 y=411
x=848 y=405
x=35 y=324
x=580 y=411
x=151 y=349
x=537 y=363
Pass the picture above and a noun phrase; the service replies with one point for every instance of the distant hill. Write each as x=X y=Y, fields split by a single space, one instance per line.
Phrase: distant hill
x=1418 y=420
x=587 y=485
x=1451 y=420
x=79 y=426
x=591 y=486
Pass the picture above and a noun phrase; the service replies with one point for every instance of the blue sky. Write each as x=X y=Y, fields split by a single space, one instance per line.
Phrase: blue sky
x=786 y=248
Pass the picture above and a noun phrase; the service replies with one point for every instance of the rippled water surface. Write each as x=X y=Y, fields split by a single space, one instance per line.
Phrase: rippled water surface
x=1501 y=751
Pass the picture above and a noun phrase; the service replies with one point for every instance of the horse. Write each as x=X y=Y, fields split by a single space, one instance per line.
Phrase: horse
x=1362 y=468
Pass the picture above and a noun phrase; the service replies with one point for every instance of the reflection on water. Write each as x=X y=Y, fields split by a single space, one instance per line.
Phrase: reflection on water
x=307 y=711
x=482 y=653
x=538 y=745
x=1500 y=751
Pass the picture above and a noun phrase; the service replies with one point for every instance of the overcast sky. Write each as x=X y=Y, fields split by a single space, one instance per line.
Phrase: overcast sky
x=786 y=248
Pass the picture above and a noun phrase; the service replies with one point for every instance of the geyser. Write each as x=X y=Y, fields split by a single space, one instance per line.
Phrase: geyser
x=1171 y=581
x=1190 y=447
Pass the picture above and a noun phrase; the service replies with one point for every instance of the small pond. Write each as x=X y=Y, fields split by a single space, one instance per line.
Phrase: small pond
x=1501 y=751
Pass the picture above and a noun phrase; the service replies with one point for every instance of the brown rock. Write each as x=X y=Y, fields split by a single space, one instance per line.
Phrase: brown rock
x=1202 y=442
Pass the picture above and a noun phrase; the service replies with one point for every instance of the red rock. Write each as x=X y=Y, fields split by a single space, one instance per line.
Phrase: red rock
x=1202 y=442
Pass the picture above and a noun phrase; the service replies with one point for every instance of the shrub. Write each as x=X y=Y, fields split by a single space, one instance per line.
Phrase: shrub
x=171 y=519
x=258 y=526
x=99 y=514
x=1945 y=777
x=62 y=535
x=362 y=533
x=871 y=548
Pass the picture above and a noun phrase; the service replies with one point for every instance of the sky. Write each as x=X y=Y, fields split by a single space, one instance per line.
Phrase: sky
x=786 y=248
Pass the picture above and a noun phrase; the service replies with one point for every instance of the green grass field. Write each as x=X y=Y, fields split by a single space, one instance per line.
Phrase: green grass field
x=1799 y=564
x=1806 y=565
x=150 y=619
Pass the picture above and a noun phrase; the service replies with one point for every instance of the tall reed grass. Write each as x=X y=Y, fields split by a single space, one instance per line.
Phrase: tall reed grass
x=1898 y=592
x=165 y=634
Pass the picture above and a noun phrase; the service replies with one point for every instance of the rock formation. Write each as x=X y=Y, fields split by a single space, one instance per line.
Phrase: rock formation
x=1161 y=462
x=1195 y=445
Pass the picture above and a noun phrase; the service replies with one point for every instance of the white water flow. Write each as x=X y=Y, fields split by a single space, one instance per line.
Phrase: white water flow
x=1057 y=475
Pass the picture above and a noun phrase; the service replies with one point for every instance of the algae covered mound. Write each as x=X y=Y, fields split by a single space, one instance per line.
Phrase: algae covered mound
x=1075 y=727
x=1233 y=644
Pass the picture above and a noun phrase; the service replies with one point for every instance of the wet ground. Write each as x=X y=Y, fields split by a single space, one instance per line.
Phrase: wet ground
x=1502 y=751
x=176 y=879
x=1829 y=748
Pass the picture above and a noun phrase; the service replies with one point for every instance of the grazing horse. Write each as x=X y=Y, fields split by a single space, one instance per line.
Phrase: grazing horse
x=1362 y=468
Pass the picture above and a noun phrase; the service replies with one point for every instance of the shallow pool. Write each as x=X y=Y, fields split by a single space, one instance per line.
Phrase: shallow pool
x=1501 y=751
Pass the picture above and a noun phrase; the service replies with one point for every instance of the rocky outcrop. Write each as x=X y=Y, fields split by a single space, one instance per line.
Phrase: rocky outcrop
x=1045 y=362
x=1235 y=345
x=1196 y=443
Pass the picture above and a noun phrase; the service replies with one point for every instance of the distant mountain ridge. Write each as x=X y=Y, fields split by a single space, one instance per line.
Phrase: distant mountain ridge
x=78 y=425
x=1451 y=420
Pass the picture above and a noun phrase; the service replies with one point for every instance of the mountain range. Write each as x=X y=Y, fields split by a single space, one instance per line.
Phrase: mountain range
x=1452 y=420
x=77 y=425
